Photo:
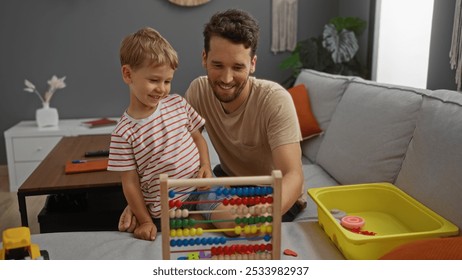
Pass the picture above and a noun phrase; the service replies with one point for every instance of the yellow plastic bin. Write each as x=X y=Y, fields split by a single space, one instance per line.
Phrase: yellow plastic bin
x=394 y=217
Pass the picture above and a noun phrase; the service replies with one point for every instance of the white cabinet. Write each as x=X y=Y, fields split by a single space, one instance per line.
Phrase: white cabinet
x=27 y=145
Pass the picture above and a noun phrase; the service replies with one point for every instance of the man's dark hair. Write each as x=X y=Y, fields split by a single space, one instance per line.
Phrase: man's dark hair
x=235 y=25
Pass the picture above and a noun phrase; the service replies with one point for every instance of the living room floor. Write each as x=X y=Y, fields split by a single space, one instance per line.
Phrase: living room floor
x=9 y=209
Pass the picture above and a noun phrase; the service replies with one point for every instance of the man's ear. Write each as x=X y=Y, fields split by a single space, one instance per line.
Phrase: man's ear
x=126 y=73
x=204 y=59
x=253 y=64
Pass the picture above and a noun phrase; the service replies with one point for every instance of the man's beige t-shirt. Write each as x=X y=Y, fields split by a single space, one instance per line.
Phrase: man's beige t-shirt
x=244 y=139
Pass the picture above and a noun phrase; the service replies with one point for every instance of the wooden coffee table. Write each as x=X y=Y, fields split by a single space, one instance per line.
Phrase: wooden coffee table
x=49 y=176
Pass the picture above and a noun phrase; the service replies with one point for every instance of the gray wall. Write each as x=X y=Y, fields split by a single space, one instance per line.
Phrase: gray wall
x=80 y=39
x=440 y=75
x=360 y=9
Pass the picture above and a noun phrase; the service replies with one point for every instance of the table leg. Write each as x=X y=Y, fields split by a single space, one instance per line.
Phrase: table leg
x=23 y=209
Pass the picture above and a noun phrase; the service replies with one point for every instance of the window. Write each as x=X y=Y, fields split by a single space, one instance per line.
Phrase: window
x=402 y=42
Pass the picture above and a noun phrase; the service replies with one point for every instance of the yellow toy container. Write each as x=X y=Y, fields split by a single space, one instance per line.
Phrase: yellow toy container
x=394 y=217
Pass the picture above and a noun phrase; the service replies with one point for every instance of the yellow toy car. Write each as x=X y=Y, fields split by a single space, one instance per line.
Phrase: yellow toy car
x=17 y=246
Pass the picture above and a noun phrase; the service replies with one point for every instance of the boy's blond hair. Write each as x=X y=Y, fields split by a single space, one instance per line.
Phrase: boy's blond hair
x=147 y=47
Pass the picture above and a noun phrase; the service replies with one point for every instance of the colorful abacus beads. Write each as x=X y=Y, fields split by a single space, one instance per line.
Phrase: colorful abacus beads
x=253 y=220
x=186 y=232
x=239 y=191
x=182 y=223
x=198 y=241
x=232 y=201
x=252 y=256
x=175 y=203
x=254 y=210
x=237 y=230
x=245 y=191
x=203 y=241
x=248 y=200
x=248 y=213
x=241 y=249
x=252 y=229
x=178 y=213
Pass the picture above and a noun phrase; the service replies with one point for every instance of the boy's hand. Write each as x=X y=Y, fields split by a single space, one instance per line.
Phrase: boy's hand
x=146 y=231
x=127 y=220
x=204 y=172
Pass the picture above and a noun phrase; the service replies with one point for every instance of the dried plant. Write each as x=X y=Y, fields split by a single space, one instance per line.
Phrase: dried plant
x=55 y=83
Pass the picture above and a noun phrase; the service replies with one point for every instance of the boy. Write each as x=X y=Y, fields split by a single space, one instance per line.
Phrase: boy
x=158 y=133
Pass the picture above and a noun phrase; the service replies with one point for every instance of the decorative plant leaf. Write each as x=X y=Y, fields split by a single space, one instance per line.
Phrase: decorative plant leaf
x=291 y=62
x=343 y=46
x=332 y=52
x=354 y=24
x=313 y=55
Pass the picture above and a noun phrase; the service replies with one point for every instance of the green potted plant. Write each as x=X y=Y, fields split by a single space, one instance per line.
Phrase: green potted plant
x=332 y=52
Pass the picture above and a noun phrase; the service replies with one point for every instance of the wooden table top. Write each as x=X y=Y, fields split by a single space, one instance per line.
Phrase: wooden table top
x=50 y=176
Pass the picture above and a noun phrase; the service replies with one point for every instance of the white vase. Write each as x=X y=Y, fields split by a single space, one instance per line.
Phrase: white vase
x=46 y=116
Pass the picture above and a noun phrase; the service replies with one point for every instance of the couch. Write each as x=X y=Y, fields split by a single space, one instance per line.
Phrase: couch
x=374 y=132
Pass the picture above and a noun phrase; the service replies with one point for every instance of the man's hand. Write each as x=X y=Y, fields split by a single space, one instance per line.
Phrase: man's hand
x=127 y=220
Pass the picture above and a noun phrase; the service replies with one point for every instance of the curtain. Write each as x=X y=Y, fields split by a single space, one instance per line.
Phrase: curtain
x=455 y=53
x=284 y=25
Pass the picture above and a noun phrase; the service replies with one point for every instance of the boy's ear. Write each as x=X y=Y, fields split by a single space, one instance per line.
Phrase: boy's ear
x=126 y=73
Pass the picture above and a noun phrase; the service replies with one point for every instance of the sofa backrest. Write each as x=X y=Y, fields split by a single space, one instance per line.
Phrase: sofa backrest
x=325 y=91
x=432 y=168
x=369 y=132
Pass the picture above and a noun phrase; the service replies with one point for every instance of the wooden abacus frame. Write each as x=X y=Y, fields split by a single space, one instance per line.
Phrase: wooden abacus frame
x=275 y=181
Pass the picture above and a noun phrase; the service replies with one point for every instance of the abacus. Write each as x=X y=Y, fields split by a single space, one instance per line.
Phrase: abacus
x=259 y=226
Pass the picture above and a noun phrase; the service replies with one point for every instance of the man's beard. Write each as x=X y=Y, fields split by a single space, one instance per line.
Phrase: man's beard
x=229 y=98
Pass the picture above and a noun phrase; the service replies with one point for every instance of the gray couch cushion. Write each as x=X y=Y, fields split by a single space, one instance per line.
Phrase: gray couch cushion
x=310 y=147
x=432 y=169
x=369 y=132
x=315 y=177
x=325 y=91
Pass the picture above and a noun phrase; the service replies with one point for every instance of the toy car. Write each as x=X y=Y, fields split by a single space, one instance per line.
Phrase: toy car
x=17 y=246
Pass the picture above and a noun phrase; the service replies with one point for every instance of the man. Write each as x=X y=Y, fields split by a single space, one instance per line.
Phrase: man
x=251 y=122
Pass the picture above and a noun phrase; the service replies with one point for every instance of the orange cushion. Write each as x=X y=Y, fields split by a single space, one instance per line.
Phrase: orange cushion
x=308 y=124
x=447 y=248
